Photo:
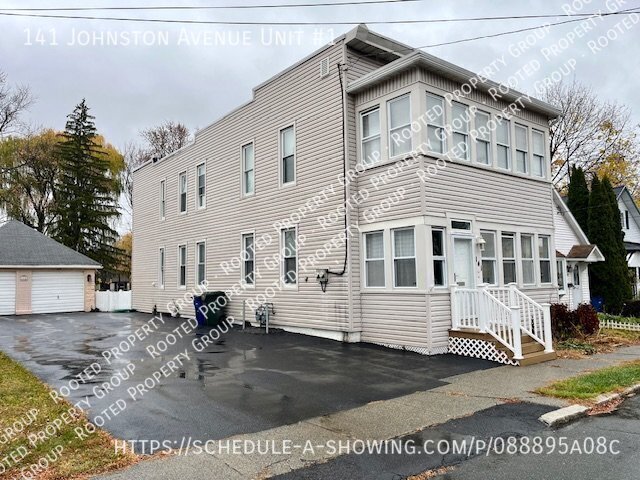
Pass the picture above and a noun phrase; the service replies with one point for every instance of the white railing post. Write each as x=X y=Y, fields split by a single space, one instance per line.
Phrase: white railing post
x=516 y=329
x=483 y=308
x=513 y=295
x=548 y=338
x=455 y=321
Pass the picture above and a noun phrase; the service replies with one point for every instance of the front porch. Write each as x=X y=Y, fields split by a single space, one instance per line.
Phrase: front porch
x=501 y=324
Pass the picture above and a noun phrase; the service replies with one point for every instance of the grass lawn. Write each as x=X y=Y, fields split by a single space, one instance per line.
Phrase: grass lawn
x=21 y=395
x=590 y=385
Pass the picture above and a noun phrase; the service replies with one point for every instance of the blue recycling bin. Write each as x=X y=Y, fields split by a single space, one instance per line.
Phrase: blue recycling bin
x=597 y=303
x=200 y=317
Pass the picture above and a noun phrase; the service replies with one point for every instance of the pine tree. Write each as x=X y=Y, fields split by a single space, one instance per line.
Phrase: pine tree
x=608 y=279
x=86 y=200
x=578 y=198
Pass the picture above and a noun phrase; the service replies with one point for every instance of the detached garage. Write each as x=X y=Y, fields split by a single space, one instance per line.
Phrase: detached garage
x=40 y=275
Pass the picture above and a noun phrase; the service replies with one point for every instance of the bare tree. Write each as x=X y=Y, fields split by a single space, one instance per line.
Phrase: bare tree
x=134 y=156
x=13 y=101
x=588 y=131
x=165 y=138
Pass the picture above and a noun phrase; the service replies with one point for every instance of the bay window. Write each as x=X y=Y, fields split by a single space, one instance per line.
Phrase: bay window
x=374 y=259
x=404 y=257
x=522 y=150
x=370 y=136
x=435 y=125
x=539 y=166
x=503 y=143
x=399 y=125
x=439 y=257
x=528 y=266
x=460 y=128
x=483 y=138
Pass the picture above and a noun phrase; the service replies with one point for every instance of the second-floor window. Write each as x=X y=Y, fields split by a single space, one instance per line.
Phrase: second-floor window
x=201 y=185
x=182 y=191
x=483 y=138
x=374 y=259
x=399 y=125
x=544 y=254
x=201 y=262
x=538 y=166
x=522 y=149
x=288 y=155
x=528 y=266
x=163 y=200
x=503 y=143
x=182 y=266
x=404 y=257
x=435 y=125
x=248 y=169
x=460 y=128
x=370 y=136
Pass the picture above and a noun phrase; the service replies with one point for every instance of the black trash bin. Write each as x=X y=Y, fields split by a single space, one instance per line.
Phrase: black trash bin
x=216 y=311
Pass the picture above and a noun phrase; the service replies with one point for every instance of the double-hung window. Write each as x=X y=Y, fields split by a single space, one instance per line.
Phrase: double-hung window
x=561 y=275
x=288 y=155
x=539 y=166
x=544 y=257
x=483 y=137
x=503 y=143
x=289 y=256
x=374 y=259
x=248 y=169
x=182 y=266
x=489 y=259
x=528 y=266
x=522 y=149
x=404 y=257
x=248 y=259
x=161 y=262
x=370 y=136
x=509 y=258
x=201 y=176
x=460 y=128
x=201 y=263
x=400 y=125
x=163 y=199
x=182 y=192
x=435 y=125
x=439 y=257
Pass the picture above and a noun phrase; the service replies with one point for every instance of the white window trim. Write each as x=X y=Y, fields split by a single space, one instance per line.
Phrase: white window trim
x=513 y=259
x=281 y=158
x=493 y=259
x=186 y=262
x=477 y=139
x=434 y=257
x=247 y=286
x=460 y=132
x=431 y=124
x=527 y=160
x=363 y=139
x=163 y=199
x=197 y=264
x=388 y=127
x=509 y=166
x=162 y=267
x=532 y=259
x=394 y=258
x=197 y=187
x=289 y=286
x=543 y=166
x=243 y=193
x=365 y=259
x=186 y=200
x=549 y=259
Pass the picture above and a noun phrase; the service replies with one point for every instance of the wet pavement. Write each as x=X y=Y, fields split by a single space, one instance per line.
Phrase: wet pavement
x=245 y=382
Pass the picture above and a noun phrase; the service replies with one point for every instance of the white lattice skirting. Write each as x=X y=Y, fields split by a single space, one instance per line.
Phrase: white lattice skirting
x=472 y=347
x=420 y=350
x=633 y=327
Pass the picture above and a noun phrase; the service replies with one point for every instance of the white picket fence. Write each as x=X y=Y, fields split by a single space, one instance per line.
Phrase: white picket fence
x=608 y=323
x=113 y=301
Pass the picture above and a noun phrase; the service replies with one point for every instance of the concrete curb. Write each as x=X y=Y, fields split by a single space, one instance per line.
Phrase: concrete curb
x=572 y=412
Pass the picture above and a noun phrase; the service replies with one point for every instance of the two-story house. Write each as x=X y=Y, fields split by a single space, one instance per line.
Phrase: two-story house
x=371 y=192
x=630 y=221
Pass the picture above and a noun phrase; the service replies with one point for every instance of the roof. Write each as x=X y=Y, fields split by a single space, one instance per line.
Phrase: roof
x=632 y=247
x=23 y=246
x=588 y=253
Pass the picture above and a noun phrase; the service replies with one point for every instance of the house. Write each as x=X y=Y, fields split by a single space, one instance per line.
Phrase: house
x=630 y=220
x=574 y=253
x=40 y=275
x=367 y=201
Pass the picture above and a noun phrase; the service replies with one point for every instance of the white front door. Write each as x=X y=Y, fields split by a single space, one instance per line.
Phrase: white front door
x=57 y=291
x=463 y=271
x=7 y=293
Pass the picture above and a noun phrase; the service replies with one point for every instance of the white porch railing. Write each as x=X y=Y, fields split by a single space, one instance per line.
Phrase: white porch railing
x=505 y=313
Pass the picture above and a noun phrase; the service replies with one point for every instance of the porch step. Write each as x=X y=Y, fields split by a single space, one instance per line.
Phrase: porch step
x=537 y=357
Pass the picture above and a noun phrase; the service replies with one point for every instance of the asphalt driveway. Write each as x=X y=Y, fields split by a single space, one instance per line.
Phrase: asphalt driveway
x=245 y=382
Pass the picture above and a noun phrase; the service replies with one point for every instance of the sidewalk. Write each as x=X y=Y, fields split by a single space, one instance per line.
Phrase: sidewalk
x=464 y=395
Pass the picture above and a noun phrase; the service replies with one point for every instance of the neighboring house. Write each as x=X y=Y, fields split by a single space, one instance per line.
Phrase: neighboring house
x=630 y=221
x=574 y=253
x=423 y=233
x=40 y=275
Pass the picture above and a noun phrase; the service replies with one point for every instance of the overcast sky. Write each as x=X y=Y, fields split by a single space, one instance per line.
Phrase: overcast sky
x=130 y=88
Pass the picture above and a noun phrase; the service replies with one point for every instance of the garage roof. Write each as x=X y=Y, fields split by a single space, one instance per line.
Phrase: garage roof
x=21 y=245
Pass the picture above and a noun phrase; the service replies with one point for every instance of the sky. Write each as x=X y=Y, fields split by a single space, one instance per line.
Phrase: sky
x=196 y=73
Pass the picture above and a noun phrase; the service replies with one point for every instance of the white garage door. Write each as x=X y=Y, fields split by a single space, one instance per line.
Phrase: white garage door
x=57 y=292
x=7 y=293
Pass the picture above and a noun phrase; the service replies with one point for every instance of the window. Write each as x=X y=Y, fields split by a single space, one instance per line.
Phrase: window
x=509 y=258
x=399 y=123
x=247 y=169
x=489 y=258
x=248 y=259
x=370 y=133
x=522 y=155
x=182 y=266
x=404 y=258
x=163 y=200
x=289 y=256
x=460 y=128
x=626 y=219
x=182 y=191
x=544 y=257
x=528 y=267
x=435 y=125
x=161 y=262
x=460 y=225
x=201 y=256
x=374 y=259
x=483 y=138
x=288 y=154
x=560 y=272
x=503 y=143
x=439 y=258
x=201 y=178
x=576 y=274
x=539 y=166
